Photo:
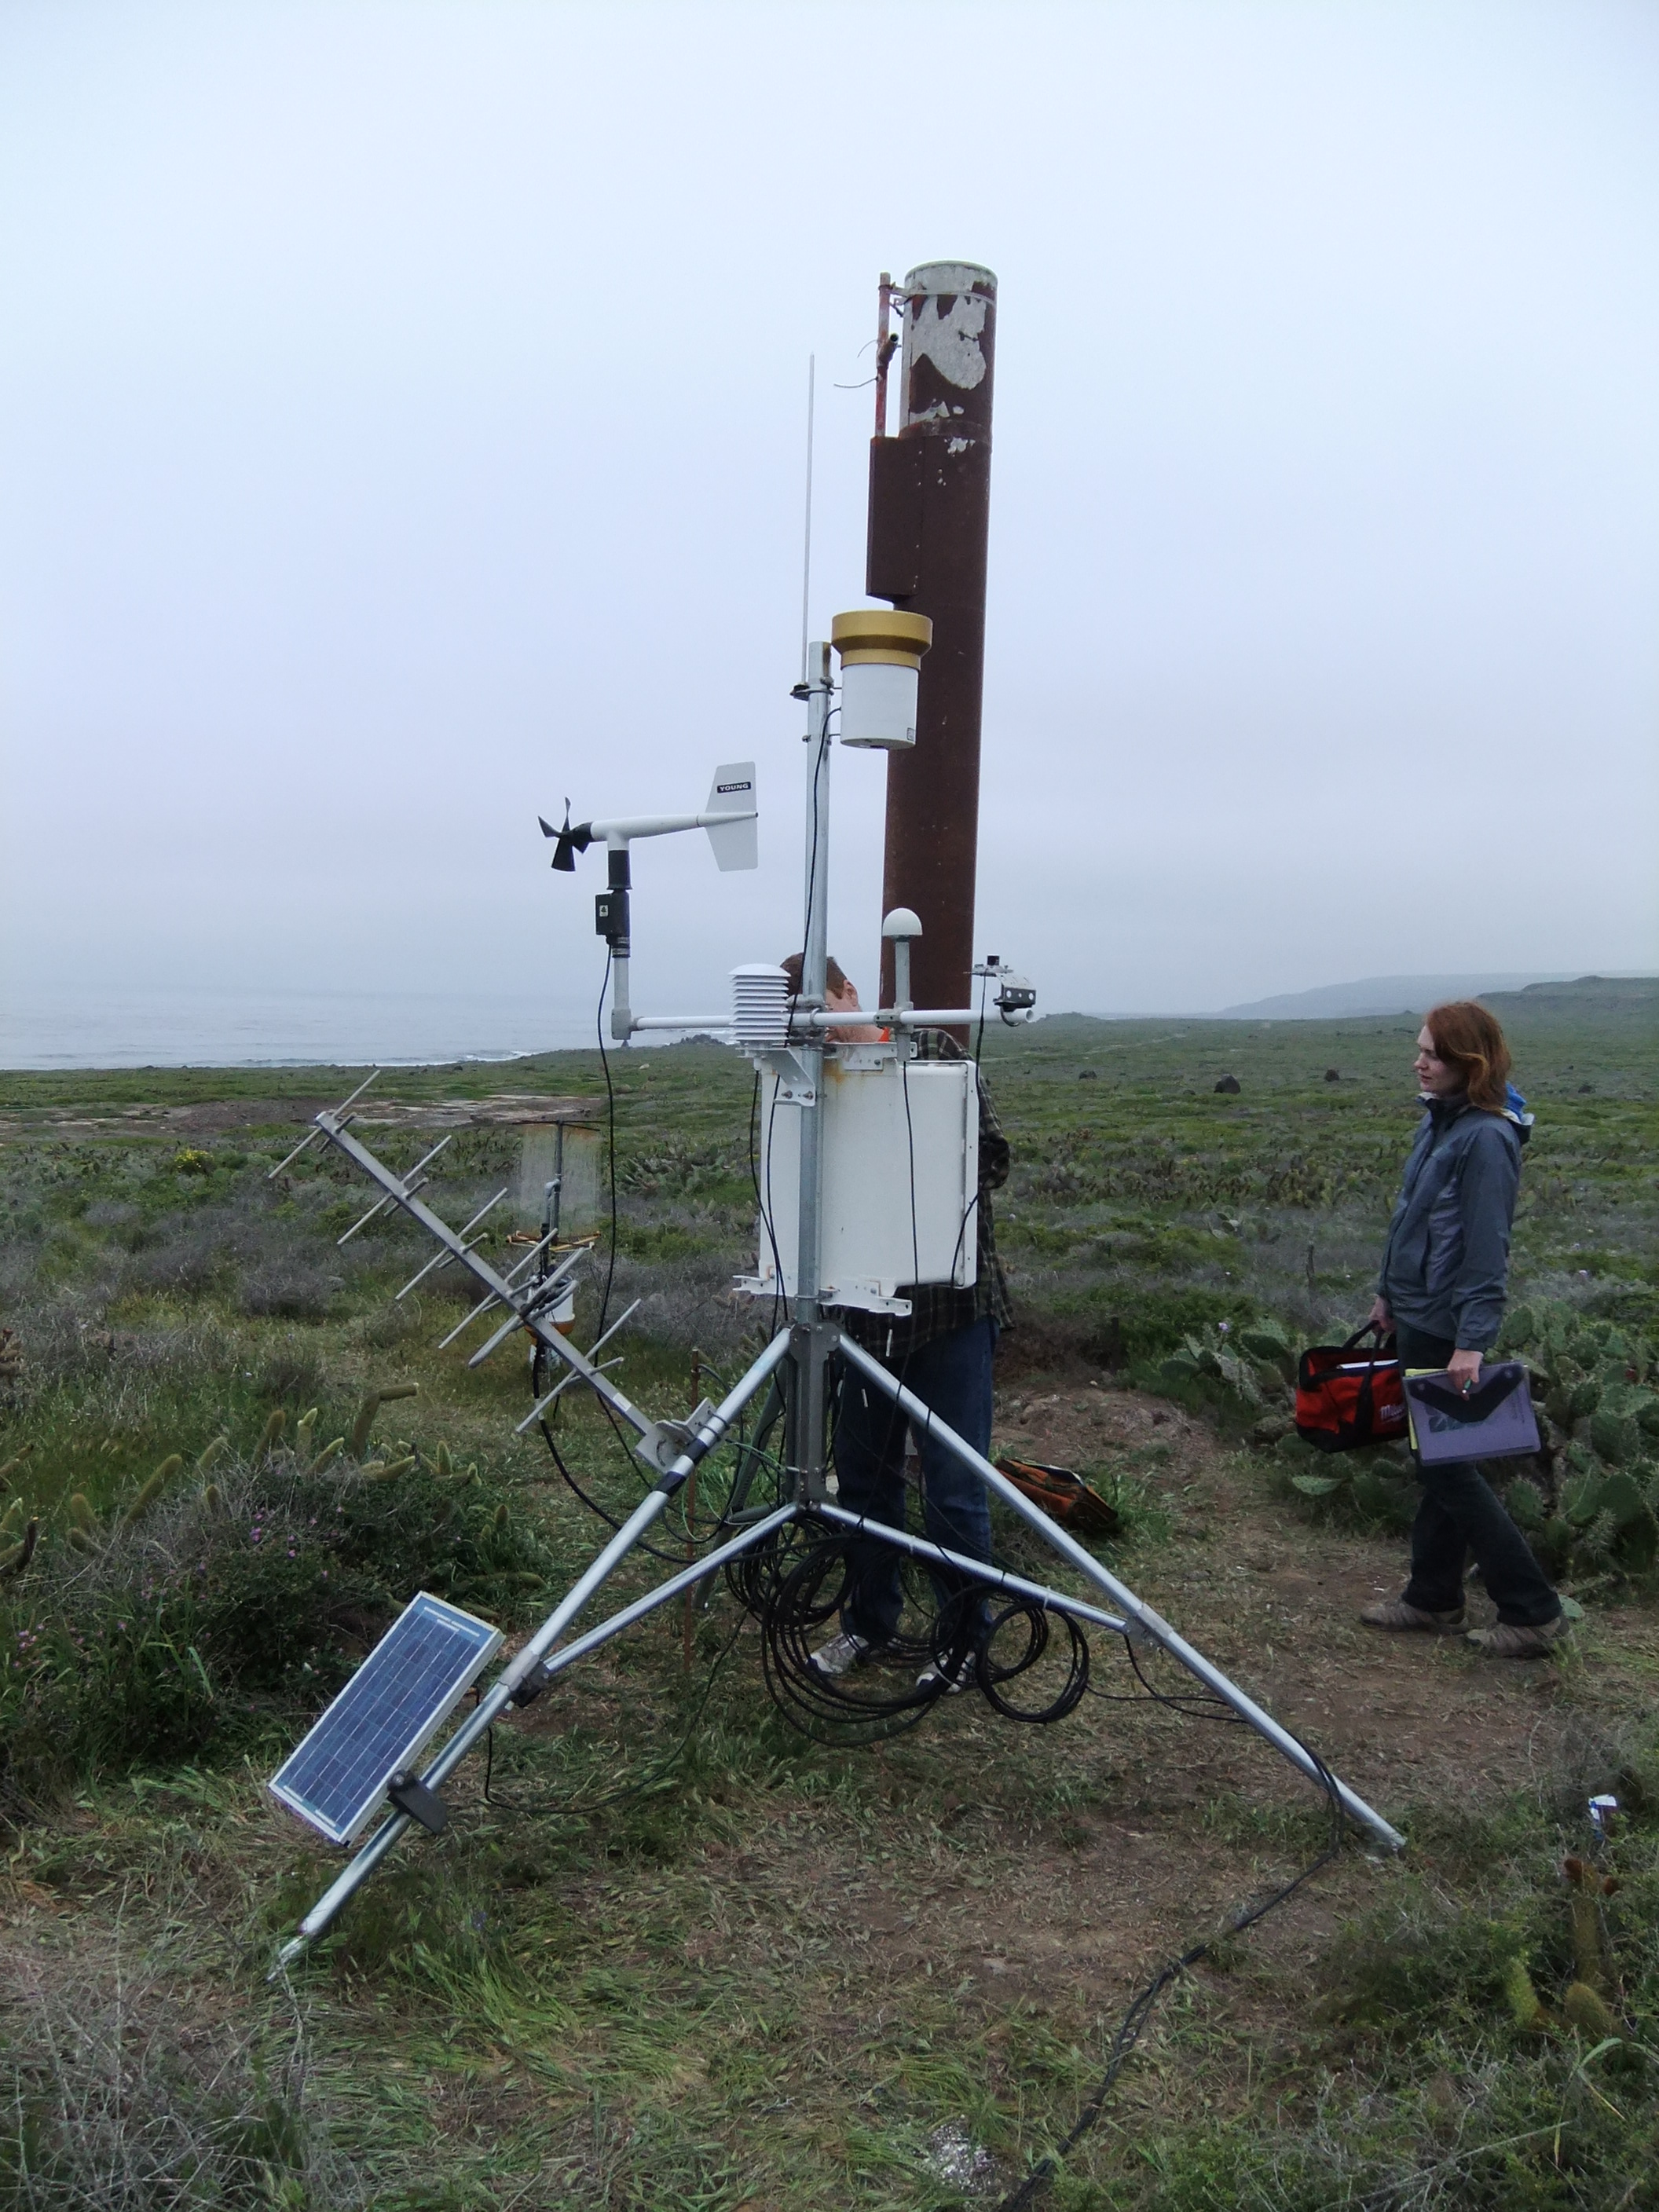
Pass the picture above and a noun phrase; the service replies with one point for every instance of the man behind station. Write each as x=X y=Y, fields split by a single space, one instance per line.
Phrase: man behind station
x=942 y=1353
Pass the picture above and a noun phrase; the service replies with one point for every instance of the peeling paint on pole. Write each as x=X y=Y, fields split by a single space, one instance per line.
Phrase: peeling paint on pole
x=930 y=498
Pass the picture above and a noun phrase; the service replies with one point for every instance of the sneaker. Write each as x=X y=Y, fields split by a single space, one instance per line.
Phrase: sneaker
x=1393 y=1614
x=843 y=1653
x=1508 y=1641
x=946 y=1677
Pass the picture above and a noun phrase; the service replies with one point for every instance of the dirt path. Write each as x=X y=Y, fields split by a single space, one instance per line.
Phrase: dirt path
x=1065 y=1910
x=1274 y=1598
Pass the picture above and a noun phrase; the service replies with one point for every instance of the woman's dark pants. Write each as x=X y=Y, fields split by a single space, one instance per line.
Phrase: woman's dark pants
x=1460 y=1513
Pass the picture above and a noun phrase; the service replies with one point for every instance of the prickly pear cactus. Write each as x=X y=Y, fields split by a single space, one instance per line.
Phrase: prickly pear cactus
x=1256 y=1364
x=1594 y=1384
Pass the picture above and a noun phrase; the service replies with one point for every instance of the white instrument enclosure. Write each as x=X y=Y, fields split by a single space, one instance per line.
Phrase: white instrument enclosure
x=876 y=1155
x=879 y=707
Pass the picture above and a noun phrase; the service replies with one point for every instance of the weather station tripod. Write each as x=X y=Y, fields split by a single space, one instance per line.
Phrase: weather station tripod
x=817 y=1239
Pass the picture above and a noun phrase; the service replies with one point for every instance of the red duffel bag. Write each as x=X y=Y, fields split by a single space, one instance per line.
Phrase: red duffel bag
x=1344 y=1397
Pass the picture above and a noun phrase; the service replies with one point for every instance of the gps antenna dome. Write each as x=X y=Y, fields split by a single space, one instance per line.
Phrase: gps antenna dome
x=900 y=927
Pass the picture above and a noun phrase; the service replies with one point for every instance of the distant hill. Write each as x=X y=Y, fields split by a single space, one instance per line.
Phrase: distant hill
x=1625 y=1002
x=1385 y=994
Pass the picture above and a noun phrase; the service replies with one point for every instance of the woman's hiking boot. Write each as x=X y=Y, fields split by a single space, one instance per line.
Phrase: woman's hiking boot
x=1393 y=1614
x=1510 y=1640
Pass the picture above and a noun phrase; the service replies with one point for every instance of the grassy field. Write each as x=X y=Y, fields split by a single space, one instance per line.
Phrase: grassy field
x=686 y=1956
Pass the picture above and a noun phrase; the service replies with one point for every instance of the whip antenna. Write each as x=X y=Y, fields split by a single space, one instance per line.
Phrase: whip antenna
x=806 y=548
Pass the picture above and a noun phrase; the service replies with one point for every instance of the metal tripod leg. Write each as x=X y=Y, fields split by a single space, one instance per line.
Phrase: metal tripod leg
x=1140 y=1617
x=534 y=1655
x=981 y=1570
x=737 y=1505
x=806 y=1406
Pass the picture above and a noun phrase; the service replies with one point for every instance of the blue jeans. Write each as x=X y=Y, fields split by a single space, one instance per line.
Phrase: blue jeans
x=951 y=1375
x=1461 y=1513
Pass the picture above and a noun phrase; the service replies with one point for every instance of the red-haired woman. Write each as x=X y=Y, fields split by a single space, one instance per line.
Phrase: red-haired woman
x=1441 y=1290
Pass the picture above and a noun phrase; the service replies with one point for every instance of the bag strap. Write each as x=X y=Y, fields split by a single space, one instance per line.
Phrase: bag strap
x=1365 y=1412
x=1370 y=1329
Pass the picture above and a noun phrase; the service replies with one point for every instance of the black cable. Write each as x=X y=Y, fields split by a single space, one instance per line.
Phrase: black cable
x=611 y=1142
x=910 y=1136
x=992 y=1674
x=669 y=1559
x=736 y=1443
x=789 y=1596
x=1195 y=1705
x=907 y=1421
x=754 y=1131
x=765 y=1203
x=828 y=1709
x=1134 y=2019
x=593 y=1505
x=979 y=1042
x=964 y=1536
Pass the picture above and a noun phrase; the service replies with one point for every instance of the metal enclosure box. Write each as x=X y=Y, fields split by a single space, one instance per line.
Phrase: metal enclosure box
x=901 y=1178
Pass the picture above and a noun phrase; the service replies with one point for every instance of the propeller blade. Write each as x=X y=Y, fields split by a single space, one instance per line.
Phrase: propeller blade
x=571 y=842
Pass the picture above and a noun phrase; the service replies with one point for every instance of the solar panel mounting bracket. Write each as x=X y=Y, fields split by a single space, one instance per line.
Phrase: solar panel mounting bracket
x=410 y=1794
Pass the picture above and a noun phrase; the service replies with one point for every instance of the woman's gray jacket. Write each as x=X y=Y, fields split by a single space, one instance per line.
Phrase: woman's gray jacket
x=1447 y=1260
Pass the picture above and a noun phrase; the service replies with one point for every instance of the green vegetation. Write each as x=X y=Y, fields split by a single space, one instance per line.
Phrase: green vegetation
x=684 y=1957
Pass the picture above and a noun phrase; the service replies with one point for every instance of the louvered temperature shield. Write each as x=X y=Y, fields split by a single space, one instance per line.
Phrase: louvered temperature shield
x=760 y=1007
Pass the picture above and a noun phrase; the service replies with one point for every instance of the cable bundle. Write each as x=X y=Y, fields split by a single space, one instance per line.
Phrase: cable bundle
x=797 y=1605
x=993 y=1667
x=798 y=1594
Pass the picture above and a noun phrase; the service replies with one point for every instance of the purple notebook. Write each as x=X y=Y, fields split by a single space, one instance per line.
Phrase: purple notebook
x=1495 y=1420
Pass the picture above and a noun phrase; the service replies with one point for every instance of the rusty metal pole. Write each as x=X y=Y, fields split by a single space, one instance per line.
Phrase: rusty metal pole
x=930 y=511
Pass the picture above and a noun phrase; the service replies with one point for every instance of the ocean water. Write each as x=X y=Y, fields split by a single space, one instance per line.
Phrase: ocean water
x=180 y=1026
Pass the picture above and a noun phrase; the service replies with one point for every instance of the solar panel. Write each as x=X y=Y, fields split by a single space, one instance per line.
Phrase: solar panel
x=408 y=1686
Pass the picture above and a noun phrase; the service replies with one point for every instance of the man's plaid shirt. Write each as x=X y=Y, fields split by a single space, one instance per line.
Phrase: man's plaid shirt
x=937 y=1309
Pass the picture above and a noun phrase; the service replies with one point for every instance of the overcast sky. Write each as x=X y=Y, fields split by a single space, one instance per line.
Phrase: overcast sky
x=402 y=426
